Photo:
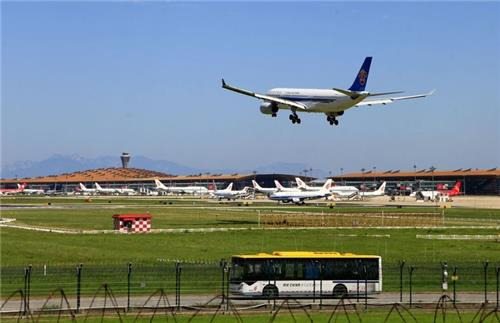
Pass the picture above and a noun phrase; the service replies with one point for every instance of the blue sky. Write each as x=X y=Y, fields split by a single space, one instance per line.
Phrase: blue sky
x=144 y=77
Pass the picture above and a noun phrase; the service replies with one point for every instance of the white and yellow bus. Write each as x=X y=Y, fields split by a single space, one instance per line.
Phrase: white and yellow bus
x=305 y=273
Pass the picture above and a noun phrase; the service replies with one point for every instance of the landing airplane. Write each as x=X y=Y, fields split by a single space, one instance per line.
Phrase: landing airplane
x=181 y=190
x=378 y=192
x=229 y=194
x=332 y=102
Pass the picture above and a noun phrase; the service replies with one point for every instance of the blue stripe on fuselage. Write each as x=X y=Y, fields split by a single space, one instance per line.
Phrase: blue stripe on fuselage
x=307 y=98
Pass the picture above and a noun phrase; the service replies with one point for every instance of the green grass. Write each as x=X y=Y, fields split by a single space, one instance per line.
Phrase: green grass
x=105 y=256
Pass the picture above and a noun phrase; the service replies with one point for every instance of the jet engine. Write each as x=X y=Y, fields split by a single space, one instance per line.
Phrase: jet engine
x=268 y=108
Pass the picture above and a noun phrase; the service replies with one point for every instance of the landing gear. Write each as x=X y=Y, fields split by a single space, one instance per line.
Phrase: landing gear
x=332 y=120
x=294 y=118
x=273 y=115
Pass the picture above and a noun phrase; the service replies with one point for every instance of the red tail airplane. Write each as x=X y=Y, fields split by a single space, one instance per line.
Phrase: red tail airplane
x=19 y=189
x=454 y=191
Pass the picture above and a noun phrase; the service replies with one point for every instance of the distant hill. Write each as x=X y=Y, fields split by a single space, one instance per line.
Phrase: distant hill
x=58 y=164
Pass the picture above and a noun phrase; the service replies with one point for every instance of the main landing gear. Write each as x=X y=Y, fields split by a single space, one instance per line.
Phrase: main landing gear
x=294 y=118
x=332 y=120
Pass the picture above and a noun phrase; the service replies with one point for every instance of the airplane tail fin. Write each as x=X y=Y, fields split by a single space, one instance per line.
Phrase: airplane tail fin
x=381 y=189
x=256 y=185
x=82 y=187
x=300 y=183
x=159 y=184
x=456 y=188
x=362 y=77
x=229 y=187
x=278 y=185
x=327 y=184
x=98 y=186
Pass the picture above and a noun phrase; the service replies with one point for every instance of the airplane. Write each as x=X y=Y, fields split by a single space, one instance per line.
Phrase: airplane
x=99 y=189
x=19 y=189
x=432 y=195
x=281 y=188
x=229 y=194
x=454 y=191
x=181 y=190
x=337 y=191
x=378 y=192
x=299 y=197
x=265 y=190
x=126 y=191
x=84 y=189
x=332 y=102
x=31 y=190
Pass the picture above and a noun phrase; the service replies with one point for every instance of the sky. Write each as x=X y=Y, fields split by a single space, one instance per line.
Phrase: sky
x=99 y=78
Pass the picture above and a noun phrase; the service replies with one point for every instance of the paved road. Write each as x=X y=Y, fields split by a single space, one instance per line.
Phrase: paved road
x=200 y=300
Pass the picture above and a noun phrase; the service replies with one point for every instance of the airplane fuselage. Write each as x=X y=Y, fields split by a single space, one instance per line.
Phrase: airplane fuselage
x=316 y=100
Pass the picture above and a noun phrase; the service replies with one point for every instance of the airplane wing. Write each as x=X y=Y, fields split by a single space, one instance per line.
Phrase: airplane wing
x=391 y=100
x=264 y=97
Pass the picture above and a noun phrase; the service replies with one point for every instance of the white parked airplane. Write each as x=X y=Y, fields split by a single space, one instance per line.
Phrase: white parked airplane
x=84 y=189
x=181 y=190
x=30 y=190
x=378 y=192
x=303 y=186
x=281 y=188
x=299 y=196
x=126 y=191
x=101 y=190
x=229 y=194
x=331 y=102
x=337 y=191
x=265 y=190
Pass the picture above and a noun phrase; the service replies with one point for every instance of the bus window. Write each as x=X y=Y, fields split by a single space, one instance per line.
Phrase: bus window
x=289 y=270
x=299 y=271
x=312 y=270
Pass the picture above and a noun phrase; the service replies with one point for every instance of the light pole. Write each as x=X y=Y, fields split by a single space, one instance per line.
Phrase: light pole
x=374 y=176
x=342 y=175
x=363 y=175
x=432 y=169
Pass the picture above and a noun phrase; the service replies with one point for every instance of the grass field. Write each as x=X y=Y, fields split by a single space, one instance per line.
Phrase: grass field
x=105 y=255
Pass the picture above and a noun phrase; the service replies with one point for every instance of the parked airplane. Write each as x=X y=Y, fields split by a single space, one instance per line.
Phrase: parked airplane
x=265 y=190
x=337 y=191
x=432 y=195
x=299 y=196
x=454 y=191
x=331 y=102
x=31 y=190
x=378 y=192
x=126 y=191
x=84 y=189
x=181 y=190
x=229 y=194
x=281 y=188
x=101 y=190
x=19 y=189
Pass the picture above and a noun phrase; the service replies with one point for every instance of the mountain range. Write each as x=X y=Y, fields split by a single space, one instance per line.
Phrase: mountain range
x=58 y=164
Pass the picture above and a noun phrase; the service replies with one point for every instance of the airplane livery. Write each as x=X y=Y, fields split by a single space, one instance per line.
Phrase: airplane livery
x=332 y=102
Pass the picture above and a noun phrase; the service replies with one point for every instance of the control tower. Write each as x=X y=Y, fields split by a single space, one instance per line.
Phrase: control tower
x=125 y=157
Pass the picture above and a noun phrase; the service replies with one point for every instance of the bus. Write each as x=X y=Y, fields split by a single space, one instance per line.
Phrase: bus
x=304 y=274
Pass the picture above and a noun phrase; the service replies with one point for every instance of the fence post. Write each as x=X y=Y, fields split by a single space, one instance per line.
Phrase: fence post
x=26 y=297
x=222 y=265
x=366 y=286
x=228 y=270
x=454 y=278
x=497 y=272
x=29 y=285
x=444 y=277
x=401 y=266
x=129 y=274
x=178 y=270
x=410 y=272
x=78 y=285
x=485 y=268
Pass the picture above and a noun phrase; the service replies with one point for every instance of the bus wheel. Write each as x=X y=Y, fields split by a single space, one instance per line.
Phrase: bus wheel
x=270 y=291
x=339 y=291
